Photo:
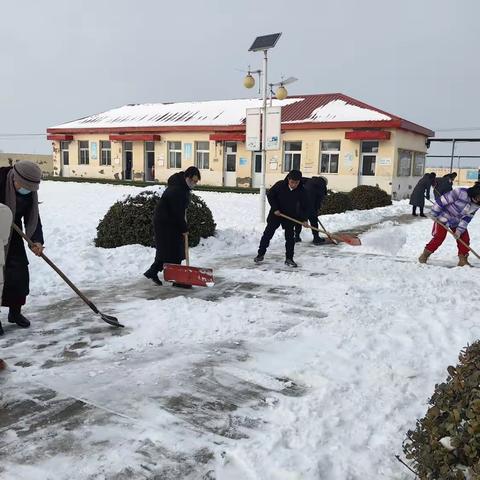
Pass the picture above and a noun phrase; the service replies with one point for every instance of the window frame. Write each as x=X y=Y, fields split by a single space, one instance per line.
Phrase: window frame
x=329 y=152
x=83 y=152
x=202 y=155
x=108 y=153
x=177 y=154
x=292 y=154
x=414 y=164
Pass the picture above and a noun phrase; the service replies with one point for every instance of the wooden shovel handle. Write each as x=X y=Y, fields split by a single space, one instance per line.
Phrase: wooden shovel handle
x=329 y=235
x=187 y=256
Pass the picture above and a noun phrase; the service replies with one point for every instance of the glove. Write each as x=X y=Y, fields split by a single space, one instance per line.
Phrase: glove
x=457 y=235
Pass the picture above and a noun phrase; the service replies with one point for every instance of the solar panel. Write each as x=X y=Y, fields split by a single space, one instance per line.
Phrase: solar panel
x=264 y=42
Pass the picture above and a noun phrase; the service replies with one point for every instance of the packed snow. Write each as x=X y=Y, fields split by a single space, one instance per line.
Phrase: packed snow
x=325 y=367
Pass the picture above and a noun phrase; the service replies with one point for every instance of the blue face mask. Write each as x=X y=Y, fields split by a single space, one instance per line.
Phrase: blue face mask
x=23 y=191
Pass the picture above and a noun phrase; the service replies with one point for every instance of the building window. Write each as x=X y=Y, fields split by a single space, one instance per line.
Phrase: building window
x=149 y=161
x=292 y=155
x=84 y=157
x=369 y=158
x=404 y=163
x=329 y=155
x=105 y=153
x=174 y=154
x=202 y=155
x=418 y=164
x=64 y=152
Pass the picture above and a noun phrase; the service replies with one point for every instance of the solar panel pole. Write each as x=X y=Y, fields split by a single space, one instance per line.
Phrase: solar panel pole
x=263 y=192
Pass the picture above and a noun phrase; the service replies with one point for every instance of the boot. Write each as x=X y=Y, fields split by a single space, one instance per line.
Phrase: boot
x=297 y=238
x=424 y=256
x=14 y=316
x=463 y=261
x=318 y=241
x=1 y=329
x=290 y=263
x=153 y=277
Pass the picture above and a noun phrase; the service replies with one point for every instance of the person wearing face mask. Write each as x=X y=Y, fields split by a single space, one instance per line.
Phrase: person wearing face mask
x=18 y=190
x=169 y=221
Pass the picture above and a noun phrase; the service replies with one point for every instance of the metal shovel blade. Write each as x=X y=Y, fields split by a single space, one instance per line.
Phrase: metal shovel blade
x=110 y=320
x=187 y=275
x=350 y=239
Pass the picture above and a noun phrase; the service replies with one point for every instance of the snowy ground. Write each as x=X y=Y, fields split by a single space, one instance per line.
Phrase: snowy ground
x=273 y=374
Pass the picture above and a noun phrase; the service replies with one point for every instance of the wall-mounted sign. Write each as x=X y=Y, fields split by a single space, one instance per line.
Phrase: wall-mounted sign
x=274 y=122
x=243 y=161
x=472 y=174
x=385 y=161
x=252 y=137
x=93 y=150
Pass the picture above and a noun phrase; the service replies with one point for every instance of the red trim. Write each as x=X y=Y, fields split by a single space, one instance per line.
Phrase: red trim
x=135 y=137
x=368 y=135
x=59 y=137
x=220 y=137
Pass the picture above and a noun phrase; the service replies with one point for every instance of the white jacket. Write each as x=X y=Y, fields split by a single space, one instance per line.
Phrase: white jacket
x=5 y=227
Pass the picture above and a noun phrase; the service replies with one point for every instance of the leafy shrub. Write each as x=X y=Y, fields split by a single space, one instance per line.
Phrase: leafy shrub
x=129 y=222
x=365 y=197
x=445 y=444
x=336 y=202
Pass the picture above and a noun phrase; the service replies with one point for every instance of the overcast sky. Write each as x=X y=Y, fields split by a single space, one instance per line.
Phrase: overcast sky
x=61 y=60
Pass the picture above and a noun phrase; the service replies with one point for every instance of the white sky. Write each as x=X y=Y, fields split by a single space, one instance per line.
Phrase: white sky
x=65 y=60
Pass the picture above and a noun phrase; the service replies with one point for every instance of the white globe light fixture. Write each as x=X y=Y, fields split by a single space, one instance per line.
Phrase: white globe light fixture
x=281 y=93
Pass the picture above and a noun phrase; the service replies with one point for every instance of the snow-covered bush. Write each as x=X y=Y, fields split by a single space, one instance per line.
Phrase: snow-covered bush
x=365 y=197
x=335 y=202
x=445 y=444
x=130 y=221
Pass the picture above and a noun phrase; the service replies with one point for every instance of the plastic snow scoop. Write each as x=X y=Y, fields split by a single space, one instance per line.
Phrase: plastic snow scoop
x=185 y=275
x=338 y=237
x=457 y=239
x=106 y=318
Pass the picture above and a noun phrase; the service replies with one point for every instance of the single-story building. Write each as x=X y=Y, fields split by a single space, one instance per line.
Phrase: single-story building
x=45 y=162
x=347 y=141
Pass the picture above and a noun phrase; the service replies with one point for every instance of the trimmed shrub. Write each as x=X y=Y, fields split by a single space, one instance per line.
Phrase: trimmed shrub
x=365 y=197
x=336 y=202
x=129 y=222
x=445 y=444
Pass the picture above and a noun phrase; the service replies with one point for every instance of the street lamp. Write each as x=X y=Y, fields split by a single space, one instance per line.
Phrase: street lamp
x=263 y=43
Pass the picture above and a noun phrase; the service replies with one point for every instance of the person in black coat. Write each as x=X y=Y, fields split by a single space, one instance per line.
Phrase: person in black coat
x=287 y=196
x=420 y=192
x=316 y=190
x=169 y=221
x=18 y=190
x=444 y=184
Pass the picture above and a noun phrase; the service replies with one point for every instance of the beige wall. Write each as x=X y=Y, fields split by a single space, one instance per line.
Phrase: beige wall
x=465 y=176
x=347 y=177
x=45 y=162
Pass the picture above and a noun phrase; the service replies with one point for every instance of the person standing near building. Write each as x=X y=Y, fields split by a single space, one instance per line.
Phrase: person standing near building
x=169 y=221
x=455 y=210
x=316 y=190
x=444 y=184
x=287 y=196
x=18 y=190
x=420 y=192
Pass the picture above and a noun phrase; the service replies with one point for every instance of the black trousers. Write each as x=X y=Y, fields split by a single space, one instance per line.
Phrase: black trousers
x=414 y=210
x=272 y=225
x=313 y=219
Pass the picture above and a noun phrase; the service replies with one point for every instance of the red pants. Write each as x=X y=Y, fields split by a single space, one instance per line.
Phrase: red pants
x=439 y=233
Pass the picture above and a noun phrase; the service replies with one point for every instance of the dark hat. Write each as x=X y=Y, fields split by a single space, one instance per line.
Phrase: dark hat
x=474 y=191
x=28 y=174
x=295 y=175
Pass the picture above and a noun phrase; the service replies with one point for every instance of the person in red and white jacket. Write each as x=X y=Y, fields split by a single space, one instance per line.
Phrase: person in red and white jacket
x=455 y=210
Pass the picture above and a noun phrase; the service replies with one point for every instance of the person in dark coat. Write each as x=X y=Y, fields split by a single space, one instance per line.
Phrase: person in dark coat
x=420 y=192
x=316 y=190
x=444 y=184
x=287 y=196
x=169 y=221
x=18 y=190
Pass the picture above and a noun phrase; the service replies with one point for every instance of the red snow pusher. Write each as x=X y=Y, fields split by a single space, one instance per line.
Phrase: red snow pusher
x=185 y=275
x=335 y=238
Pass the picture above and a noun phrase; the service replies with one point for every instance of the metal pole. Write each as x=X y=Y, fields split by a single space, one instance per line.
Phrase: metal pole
x=451 y=156
x=264 y=139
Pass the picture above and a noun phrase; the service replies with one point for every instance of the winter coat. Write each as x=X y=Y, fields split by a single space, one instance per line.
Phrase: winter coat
x=316 y=190
x=443 y=185
x=293 y=203
x=455 y=209
x=17 y=280
x=421 y=190
x=169 y=220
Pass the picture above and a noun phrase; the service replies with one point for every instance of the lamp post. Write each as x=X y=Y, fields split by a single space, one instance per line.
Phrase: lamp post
x=262 y=43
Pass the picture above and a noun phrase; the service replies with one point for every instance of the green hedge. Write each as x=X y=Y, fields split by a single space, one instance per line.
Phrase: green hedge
x=366 y=197
x=336 y=202
x=453 y=416
x=129 y=222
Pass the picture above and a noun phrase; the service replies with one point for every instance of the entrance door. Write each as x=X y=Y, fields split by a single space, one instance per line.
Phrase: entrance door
x=64 y=159
x=230 y=164
x=127 y=160
x=149 y=161
x=368 y=163
x=257 y=169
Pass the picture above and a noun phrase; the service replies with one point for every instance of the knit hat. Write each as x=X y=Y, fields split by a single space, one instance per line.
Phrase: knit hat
x=28 y=174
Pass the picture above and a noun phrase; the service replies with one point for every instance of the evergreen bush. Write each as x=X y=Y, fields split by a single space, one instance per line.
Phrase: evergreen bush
x=336 y=202
x=365 y=197
x=445 y=444
x=129 y=221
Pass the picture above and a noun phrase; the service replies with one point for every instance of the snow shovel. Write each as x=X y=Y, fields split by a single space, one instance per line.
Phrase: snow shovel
x=338 y=237
x=185 y=275
x=106 y=318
